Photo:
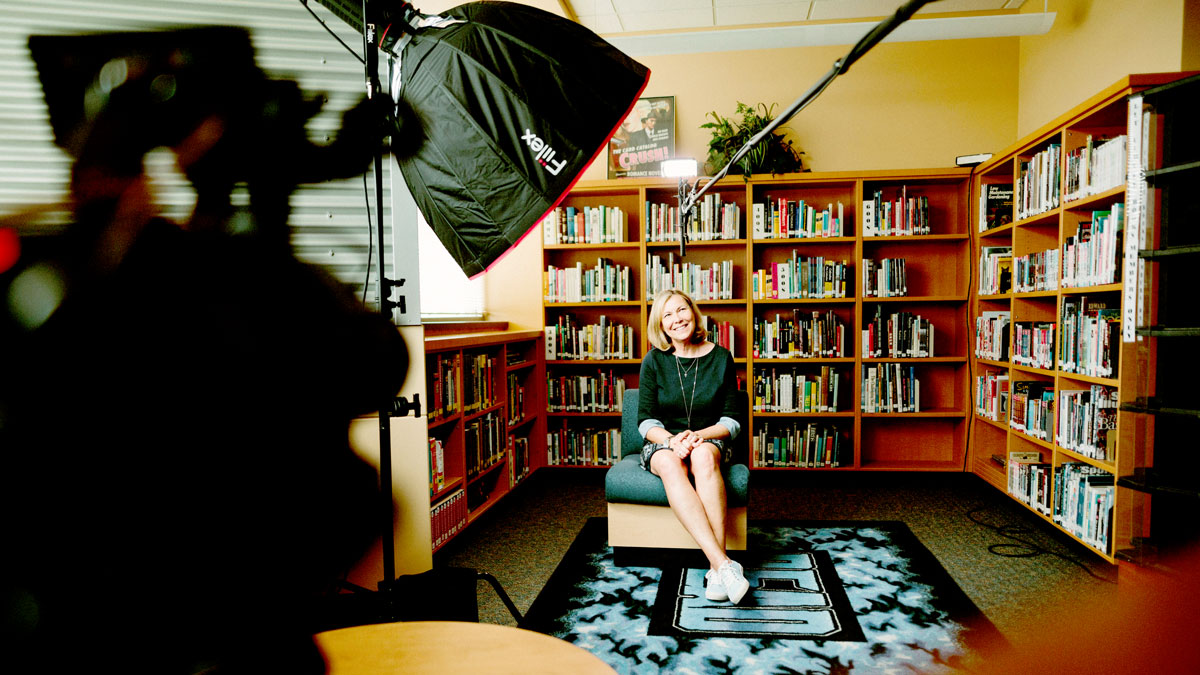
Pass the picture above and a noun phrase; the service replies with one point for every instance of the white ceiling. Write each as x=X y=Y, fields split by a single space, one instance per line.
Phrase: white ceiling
x=608 y=17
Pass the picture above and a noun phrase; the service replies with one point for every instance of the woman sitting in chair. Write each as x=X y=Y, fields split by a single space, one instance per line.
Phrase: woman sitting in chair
x=687 y=416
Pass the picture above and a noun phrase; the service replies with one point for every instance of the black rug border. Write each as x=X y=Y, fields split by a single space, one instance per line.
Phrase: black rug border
x=979 y=633
x=662 y=618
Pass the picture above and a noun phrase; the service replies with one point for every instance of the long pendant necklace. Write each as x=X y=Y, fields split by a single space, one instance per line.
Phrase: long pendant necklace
x=687 y=403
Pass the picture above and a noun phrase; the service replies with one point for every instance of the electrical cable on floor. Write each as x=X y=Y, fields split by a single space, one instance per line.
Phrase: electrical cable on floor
x=1026 y=549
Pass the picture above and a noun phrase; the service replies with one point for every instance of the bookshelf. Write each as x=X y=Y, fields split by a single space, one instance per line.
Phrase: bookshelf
x=484 y=422
x=1048 y=363
x=776 y=257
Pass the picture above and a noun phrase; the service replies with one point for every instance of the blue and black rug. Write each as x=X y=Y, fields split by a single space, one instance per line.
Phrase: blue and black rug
x=825 y=597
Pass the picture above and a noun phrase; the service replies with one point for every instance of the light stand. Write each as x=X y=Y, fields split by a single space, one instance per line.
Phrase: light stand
x=689 y=195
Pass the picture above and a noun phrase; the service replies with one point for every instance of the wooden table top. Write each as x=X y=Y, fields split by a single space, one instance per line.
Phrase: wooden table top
x=440 y=647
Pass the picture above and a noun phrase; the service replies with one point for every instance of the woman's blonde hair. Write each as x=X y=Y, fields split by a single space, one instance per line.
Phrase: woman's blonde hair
x=654 y=330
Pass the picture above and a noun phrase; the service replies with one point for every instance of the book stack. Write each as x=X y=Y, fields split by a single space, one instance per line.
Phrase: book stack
x=583 y=447
x=991 y=396
x=789 y=391
x=782 y=218
x=900 y=215
x=714 y=282
x=899 y=335
x=1036 y=272
x=1091 y=339
x=1096 y=166
x=890 y=388
x=448 y=517
x=1037 y=191
x=1033 y=344
x=602 y=392
x=798 y=444
x=799 y=336
x=887 y=278
x=1083 y=503
x=1032 y=411
x=1092 y=256
x=991 y=335
x=1029 y=480
x=606 y=282
x=800 y=277
x=1087 y=421
x=571 y=341
x=995 y=270
x=585 y=225
x=713 y=219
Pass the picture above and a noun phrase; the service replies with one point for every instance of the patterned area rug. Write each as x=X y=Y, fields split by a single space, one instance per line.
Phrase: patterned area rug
x=825 y=598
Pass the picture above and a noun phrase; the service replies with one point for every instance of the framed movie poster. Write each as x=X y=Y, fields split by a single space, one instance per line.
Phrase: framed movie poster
x=645 y=139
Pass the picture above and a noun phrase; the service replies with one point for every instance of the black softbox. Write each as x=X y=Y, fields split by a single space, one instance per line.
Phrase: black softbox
x=513 y=103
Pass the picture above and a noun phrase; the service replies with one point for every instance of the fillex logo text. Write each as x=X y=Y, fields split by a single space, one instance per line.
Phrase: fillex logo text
x=545 y=153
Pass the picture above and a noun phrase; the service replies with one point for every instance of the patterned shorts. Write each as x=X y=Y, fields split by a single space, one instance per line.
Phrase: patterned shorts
x=650 y=448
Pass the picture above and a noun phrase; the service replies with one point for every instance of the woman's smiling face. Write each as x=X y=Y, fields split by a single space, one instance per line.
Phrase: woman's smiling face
x=677 y=320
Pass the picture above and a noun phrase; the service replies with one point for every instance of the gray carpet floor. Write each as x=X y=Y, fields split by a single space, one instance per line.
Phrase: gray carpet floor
x=521 y=540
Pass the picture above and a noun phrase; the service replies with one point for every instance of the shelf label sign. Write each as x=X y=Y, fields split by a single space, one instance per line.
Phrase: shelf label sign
x=1134 y=269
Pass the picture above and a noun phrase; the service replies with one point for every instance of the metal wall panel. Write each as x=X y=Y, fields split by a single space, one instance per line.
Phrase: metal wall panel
x=329 y=221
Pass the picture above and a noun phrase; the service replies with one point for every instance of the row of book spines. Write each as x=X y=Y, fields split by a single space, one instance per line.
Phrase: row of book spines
x=1083 y=502
x=1093 y=168
x=583 y=447
x=483 y=441
x=1033 y=344
x=714 y=282
x=479 y=389
x=710 y=222
x=1085 y=419
x=795 y=219
x=1031 y=409
x=1091 y=343
x=600 y=341
x=1036 y=271
x=800 y=337
x=443 y=385
x=991 y=396
x=448 y=517
x=903 y=216
x=885 y=278
x=606 y=282
x=588 y=225
x=897 y=335
x=991 y=336
x=518 y=465
x=995 y=269
x=800 y=278
x=1092 y=256
x=516 y=399
x=813 y=445
x=890 y=388
x=1038 y=189
x=722 y=333
x=792 y=393
x=437 y=466
x=585 y=393
x=1029 y=481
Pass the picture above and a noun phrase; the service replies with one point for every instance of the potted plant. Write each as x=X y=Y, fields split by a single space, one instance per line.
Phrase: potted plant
x=773 y=155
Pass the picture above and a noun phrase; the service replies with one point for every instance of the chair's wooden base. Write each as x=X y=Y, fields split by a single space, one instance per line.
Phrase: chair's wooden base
x=641 y=526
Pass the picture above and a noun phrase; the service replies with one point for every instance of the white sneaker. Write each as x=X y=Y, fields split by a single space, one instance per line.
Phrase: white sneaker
x=713 y=588
x=730 y=576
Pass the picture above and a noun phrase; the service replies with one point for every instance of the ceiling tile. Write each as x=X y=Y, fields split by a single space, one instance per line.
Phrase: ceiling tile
x=744 y=12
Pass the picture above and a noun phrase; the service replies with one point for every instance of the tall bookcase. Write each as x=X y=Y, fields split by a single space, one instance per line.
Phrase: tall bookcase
x=1049 y=298
x=750 y=237
x=485 y=427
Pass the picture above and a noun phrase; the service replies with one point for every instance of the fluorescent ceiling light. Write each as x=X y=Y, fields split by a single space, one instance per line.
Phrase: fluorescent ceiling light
x=809 y=35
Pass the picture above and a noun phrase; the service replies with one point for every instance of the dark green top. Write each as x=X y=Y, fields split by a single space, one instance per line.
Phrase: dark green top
x=711 y=377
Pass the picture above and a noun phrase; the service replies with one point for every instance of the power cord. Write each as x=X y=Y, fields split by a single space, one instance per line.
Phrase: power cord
x=1023 y=547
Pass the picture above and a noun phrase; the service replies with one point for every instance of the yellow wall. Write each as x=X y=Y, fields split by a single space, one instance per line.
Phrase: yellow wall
x=1092 y=44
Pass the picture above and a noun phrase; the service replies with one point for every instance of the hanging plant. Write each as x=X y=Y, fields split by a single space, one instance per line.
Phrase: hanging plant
x=773 y=155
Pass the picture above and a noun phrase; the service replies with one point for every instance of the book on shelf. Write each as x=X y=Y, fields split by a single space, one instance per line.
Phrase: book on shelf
x=793 y=391
x=1033 y=344
x=447 y=517
x=714 y=282
x=713 y=219
x=583 y=447
x=1038 y=189
x=1091 y=339
x=800 y=277
x=991 y=396
x=1092 y=256
x=898 y=335
x=584 y=225
x=799 y=445
x=437 y=466
x=1097 y=165
x=995 y=205
x=890 y=388
x=1083 y=503
x=603 y=391
x=1034 y=272
x=995 y=270
x=1029 y=480
x=606 y=282
x=783 y=218
x=573 y=341
x=1087 y=420
x=901 y=215
x=886 y=278
x=1032 y=408
x=992 y=335
x=799 y=335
